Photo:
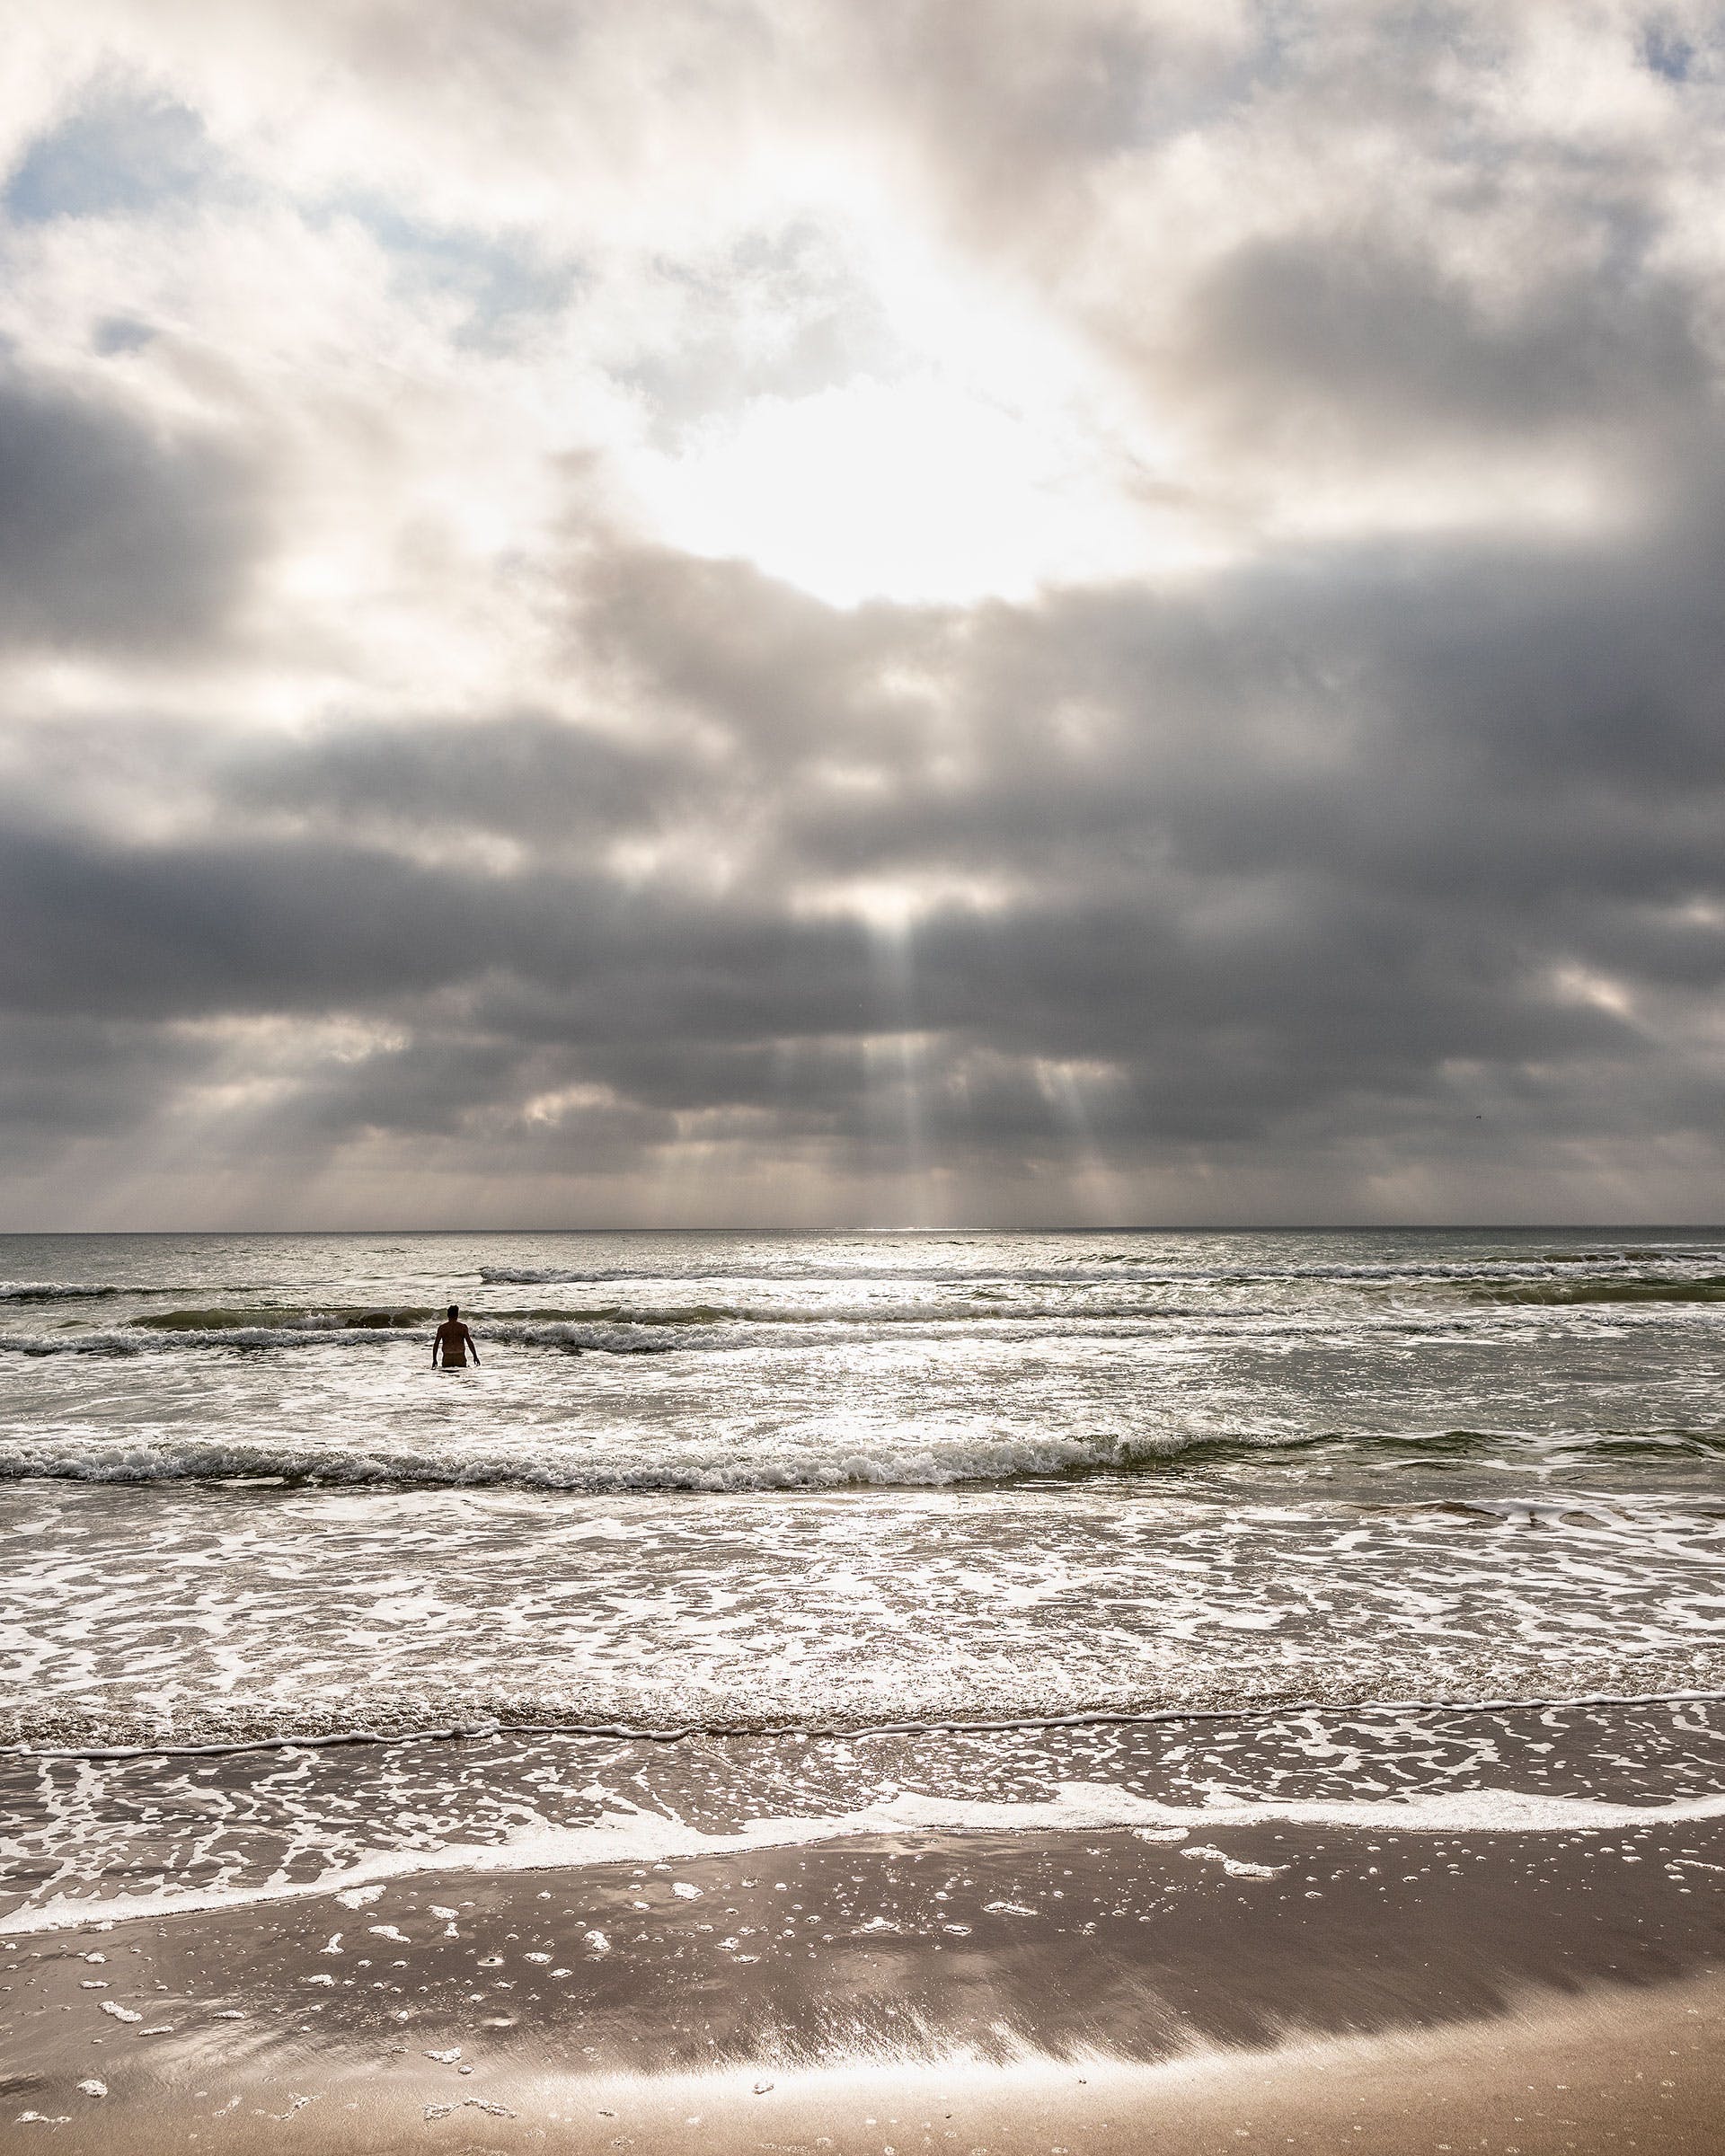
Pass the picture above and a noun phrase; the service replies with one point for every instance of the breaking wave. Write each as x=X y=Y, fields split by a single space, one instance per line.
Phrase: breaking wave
x=62 y=1291
x=700 y=1327
x=301 y=1332
x=1711 y=1288
x=887 y=1463
x=908 y=1460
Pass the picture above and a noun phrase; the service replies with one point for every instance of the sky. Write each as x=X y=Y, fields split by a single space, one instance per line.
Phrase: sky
x=885 y=613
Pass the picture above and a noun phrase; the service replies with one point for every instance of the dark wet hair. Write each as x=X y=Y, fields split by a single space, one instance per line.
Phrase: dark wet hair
x=455 y=1309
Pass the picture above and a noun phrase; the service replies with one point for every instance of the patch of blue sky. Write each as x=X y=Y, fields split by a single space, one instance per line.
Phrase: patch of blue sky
x=1689 y=50
x=498 y=288
x=786 y=314
x=119 y=153
x=116 y=334
x=1666 y=52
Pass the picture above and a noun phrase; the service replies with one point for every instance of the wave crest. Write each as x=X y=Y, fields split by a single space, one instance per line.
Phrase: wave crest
x=63 y=1290
x=906 y=1461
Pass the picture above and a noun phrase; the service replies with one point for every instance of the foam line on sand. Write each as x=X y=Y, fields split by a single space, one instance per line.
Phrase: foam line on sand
x=638 y=1835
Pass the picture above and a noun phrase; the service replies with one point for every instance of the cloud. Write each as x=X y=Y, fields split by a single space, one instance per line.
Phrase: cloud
x=117 y=533
x=529 y=776
x=1329 y=914
x=1296 y=795
x=67 y=1081
x=1378 y=342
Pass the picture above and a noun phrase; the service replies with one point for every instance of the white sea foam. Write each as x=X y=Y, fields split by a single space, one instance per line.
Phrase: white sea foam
x=837 y=1482
x=932 y=1456
x=930 y=1460
x=762 y=1327
x=310 y=1331
x=638 y=1836
x=318 y=1611
x=61 y=1291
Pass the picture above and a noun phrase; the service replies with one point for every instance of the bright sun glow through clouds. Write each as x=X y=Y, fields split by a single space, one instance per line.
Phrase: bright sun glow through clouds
x=916 y=490
x=987 y=459
x=803 y=611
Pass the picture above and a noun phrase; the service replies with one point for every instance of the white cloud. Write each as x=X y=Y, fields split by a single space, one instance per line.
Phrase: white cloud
x=1111 y=499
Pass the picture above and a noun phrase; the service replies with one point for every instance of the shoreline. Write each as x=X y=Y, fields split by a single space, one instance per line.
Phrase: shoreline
x=1101 y=1717
x=648 y=1837
x=1308 y=1985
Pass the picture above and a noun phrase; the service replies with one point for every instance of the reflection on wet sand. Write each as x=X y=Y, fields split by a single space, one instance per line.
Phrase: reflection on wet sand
x=1300 y=1975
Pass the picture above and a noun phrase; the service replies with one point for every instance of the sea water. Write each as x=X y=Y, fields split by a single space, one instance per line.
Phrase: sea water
x=742 y=1529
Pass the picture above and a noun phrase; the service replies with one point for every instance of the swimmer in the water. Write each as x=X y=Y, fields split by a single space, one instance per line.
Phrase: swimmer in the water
x=454 y=1343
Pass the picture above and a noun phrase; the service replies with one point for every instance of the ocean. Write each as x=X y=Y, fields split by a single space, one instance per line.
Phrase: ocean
x=802 y=1536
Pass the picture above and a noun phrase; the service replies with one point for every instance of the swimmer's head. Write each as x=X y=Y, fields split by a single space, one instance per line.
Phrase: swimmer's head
x=455 y=1309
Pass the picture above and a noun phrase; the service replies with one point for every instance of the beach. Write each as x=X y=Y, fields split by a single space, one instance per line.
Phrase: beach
x=1041 y=1694
x=1307 y=1983
x=862 y=1042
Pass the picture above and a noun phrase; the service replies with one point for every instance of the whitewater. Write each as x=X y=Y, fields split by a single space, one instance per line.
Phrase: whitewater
x=718 y=1489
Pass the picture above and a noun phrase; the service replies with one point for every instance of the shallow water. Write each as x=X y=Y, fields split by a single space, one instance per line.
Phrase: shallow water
x=733 y=1484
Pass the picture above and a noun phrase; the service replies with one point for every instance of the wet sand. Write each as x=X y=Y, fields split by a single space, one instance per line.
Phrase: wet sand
x=1307 y=1987
x=1609 y=2072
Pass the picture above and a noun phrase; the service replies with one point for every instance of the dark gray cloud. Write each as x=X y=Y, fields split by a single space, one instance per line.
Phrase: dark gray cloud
x=63 y=1079
x=1377 y=337
x=116 y=532
x=1376 y=866
x=1322 y=852
x=527 y=775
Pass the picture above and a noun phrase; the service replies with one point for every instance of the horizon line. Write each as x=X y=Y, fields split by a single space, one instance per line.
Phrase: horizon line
x=1310 y=1227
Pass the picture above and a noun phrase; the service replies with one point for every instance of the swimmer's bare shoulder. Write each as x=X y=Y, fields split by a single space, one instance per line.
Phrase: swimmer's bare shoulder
x=454 y=1343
